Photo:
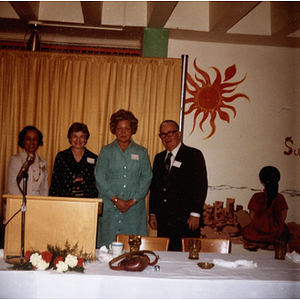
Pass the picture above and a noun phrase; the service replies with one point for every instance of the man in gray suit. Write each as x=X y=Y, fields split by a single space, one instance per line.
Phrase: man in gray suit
x=178 y=189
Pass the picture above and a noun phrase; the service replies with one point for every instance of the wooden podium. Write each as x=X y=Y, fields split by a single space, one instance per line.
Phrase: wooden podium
x=53 y=221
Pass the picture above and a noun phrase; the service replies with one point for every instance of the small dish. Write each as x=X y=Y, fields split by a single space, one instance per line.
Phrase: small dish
x=205 y=265
x=115 y=255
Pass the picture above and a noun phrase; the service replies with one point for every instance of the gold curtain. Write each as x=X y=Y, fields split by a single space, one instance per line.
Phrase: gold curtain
x=53 y=90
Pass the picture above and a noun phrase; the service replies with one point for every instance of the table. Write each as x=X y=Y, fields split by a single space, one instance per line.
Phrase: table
x=178 y=277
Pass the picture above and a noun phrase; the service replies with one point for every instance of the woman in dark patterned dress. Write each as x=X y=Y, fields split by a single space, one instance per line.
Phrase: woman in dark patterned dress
x=73 y=171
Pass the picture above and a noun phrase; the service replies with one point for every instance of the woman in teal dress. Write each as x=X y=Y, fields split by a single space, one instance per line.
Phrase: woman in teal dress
x=123 y=177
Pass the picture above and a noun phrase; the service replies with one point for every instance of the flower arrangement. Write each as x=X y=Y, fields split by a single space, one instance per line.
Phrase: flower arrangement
x=62 y=260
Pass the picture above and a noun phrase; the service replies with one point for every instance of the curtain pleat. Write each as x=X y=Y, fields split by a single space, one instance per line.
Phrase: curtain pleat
x=53 y=90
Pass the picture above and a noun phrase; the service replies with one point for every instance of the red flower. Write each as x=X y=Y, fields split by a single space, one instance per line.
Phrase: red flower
x=80 y=262
x=57 y=259
x=27 y=255
x=46 y=256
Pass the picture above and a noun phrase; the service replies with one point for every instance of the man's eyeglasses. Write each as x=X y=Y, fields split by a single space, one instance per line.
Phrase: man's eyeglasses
x=169 y=134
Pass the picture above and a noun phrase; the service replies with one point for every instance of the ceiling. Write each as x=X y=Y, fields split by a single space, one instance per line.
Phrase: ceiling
x=121 y=24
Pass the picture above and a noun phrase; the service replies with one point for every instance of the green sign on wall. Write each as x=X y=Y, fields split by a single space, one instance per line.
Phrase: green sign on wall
x=155 y=42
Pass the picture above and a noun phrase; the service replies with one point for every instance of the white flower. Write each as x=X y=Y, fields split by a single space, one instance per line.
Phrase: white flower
x=35 y=258
x=62 y=266
x=71 y=260
x=42 y=265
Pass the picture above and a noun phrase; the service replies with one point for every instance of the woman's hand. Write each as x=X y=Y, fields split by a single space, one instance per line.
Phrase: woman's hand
x=121 y=205
x=131 y=202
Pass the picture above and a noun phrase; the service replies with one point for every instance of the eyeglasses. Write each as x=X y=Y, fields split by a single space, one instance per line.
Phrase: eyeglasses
x=169 y=134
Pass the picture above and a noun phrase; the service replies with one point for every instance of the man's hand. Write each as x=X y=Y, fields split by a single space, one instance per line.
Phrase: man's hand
x=153 y=222
x=193 y=222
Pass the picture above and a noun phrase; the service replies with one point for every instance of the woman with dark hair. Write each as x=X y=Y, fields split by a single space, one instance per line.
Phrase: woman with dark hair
x=268 y=211
x=123 y=176
x=30 y=138
x=73 y=171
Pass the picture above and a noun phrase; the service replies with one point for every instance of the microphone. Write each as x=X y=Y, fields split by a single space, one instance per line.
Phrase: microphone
x=29 y=160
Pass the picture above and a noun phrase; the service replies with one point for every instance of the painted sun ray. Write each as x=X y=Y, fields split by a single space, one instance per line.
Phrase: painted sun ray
x=224 y=116
x=209 y=98
x=203 y=73
x=205 y=116
x=225 y=85
x=230 y=72
x=196 y=115
x=200 y=80
x=229 y=107
x=218 y=77
x=229 y=91
x=192 y=107
x=232 y=98
x=192 y=83
x=212 y=124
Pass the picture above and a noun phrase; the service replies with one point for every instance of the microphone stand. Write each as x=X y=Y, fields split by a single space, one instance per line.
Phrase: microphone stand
x=23 y=210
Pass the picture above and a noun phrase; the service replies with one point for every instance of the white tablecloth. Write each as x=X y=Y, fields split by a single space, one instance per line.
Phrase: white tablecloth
x=178 y=277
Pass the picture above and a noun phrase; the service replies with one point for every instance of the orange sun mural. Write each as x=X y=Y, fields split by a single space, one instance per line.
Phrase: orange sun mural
x=209 y=98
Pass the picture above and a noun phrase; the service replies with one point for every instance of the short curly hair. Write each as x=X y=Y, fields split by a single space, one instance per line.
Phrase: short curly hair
x=123 y=115
x=23 y=133
x=76 y=127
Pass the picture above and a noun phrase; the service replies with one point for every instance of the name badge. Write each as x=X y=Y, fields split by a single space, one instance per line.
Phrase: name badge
x=176 y=164
x=90 y=160
x=134 y=156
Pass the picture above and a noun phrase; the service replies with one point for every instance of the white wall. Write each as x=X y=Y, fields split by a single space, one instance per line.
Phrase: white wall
x=256 y=136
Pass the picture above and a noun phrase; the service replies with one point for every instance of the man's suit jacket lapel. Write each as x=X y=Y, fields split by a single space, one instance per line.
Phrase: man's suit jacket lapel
x=161 y=163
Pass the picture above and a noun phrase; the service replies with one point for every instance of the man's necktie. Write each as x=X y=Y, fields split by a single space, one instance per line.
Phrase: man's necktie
x=168 y=164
